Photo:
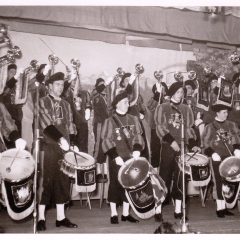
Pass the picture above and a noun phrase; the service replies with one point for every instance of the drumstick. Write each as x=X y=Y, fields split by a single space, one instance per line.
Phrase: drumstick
x=129 y=167
x=70 y=150
x=8 y=169
x=192 y=156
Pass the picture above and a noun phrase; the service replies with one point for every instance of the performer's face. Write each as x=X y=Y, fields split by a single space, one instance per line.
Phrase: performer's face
x=178 y=95
x=123 y=105
x=11 y=73
x=125 y=82
x=189 y=90
x=213 y=84
x=222 y=115
x=56 y=88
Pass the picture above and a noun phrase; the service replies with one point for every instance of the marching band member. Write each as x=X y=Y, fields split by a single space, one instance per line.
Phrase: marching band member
x=7 y=96
x=121 y=135
x=215 y=135
x=168 y=127
x=9 y=130
x=58 y=131
x=99 y=104
x=81 y=108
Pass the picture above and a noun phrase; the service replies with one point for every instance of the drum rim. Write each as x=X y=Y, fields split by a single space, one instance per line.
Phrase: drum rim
x=122 y=167
x=227 y=178
x=197 y=154
x=83 y=153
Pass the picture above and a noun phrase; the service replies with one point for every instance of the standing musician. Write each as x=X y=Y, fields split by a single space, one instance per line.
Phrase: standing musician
x=168 y=128
x=9 y=130
x=7 y=96
x=58 y=131
x=121 y=135
x=81 y=108
x=99 y=103
x=215 y=135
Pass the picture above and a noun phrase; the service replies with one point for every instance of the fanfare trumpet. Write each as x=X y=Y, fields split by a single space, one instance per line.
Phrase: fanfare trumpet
x=120 y=73
x=75 y=63
x=6 y=40
x=3 y=29
x=158 y=75
x=139 y=69
x=53 y=60
x=10 y=56
x=22 y=83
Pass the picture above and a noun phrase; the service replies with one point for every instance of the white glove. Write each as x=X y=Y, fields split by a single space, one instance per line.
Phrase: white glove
x=87 y=114
x=109 y=80
x=216 y=157
x=119 y=161
x=131 y=79
x=136 y=154
x=19 y=71
x=74 y=148
x=73 y=75
x=63 y=144
x=237 y=153
x=159 y=87
x=46 y=70
x=141 y=116
x=198 y=122
x=20 y=144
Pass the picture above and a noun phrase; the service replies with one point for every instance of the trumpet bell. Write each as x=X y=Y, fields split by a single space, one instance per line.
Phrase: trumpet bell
x=53 y=59
x=192 y=75
x=178 y=76
x=34 y=64
x=75 y=63
x=158 y=74
x=120 y=71
x=139 y=68
x=3 y=29
x=16 y=51
x=6 y=40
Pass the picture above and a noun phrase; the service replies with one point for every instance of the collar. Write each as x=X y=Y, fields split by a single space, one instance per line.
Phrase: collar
x=218 y=120
x=174 y=102
x=55 y=98
x=120 y=113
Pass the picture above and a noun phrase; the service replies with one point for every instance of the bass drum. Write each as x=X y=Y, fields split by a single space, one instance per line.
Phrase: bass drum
x=144 y=188
x=17 y=177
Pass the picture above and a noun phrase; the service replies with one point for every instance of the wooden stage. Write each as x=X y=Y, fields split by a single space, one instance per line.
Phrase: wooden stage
x=96 y=220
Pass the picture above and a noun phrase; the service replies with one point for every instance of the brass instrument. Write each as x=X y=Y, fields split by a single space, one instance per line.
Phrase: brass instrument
x=22 y=83
x=120 y=73
x=139 y=69
x=192 y=75
x=178 y=76
x=158 y=74
x=3 y=29
x=53 y=60
x=10 y=56
x=75 y=63
x=6 y=40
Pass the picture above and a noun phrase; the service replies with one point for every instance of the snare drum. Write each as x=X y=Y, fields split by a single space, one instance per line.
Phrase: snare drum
x=17 y=176
x=229 y=170
x=197 y=167
x=82 y=167
x=144 y=189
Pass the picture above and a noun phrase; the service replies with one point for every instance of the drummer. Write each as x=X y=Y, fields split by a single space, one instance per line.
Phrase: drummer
x=58 y=131
x=122 y=140
x=220 y=139
x=9 y=130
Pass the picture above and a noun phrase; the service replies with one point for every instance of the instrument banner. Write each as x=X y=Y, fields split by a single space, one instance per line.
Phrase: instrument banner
x=230 y=192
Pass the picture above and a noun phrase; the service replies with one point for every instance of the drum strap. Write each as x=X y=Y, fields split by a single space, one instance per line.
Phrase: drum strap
x=119 y=124
x=1 y=136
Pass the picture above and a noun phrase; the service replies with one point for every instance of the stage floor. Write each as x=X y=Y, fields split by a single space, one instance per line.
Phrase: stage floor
x=201 y=219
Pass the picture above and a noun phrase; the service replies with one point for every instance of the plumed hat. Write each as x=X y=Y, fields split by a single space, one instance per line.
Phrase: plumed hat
x=219 y=107
x=119 y=97
x=174 y=87
x=123 y=77
x=55 y=77
x=12 y=66
x=98 y=81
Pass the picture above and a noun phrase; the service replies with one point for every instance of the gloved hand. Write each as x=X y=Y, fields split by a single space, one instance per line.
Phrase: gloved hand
x=198 y=122
x=46 y=70
x=237 y=153
x=109 y=80
x=87 y=114
x=131 y=79
x=20 y=144
x=136 y=154
x=159 y=87
x=19 y=71
x=73 y=75
x=74 y=148
x=63 y=144
x=175 y=146
x=119 y=161
x=141 y=116
x=196 y=149
x=216 y=157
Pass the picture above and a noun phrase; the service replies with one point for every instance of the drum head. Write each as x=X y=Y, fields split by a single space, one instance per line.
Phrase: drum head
x=229 y=169
x=133 y=173
x=197 y=159
x=79 y=160
x=16 y=165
